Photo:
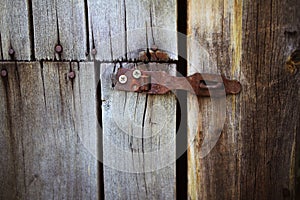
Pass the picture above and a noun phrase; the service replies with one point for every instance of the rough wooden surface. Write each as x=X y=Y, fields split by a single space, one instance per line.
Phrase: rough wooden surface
x=255 y=155
x=138 y=142
x=14 y=30
x=48 y=131
x=133 y=124
x=118 y=28
x=59 y=22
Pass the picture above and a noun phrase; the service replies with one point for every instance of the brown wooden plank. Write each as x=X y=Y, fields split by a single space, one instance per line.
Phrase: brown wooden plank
x=254 y=157
x=138 y=142
x=59 y=22
x=51 y=139
x=14 y=30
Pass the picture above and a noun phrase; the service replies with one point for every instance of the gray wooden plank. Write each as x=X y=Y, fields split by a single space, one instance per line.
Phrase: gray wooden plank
x=14 y=30
x=107 y=29
x=12 y=165
x=161 y=15
x=60 y=22
x=138 y=141
x=119 y=31
x=53 y=141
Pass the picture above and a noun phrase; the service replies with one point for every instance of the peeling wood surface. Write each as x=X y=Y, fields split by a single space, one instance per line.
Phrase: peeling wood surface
x=254 y=157
x=48 y=131
x=14 y=30
x=59 y=22
x=118 y=28
x=138 y=141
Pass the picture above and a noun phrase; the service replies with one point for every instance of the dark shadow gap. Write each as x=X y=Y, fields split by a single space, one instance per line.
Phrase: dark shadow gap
x=87 y=23
x=31 y=29
x=181 y=111
x=100 y=133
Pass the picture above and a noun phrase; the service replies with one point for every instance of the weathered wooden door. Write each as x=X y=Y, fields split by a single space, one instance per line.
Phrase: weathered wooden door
x=66 y=132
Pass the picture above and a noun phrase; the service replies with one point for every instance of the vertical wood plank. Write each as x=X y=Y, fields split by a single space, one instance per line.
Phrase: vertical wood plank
x=255 y=154
x=12 y=165
x=51 y=138
x=14 y=30
x=120 y=30
x=134 y=130
x=59 y=22
x=161 y=16
x=107 y=29
x=138 y=142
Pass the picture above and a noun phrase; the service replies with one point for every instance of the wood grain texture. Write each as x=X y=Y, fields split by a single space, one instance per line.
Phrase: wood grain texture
x=46 y=130
x=59 y=22
x=138 y=141
x=14 y=30
x=118 y=28
x=255 y=155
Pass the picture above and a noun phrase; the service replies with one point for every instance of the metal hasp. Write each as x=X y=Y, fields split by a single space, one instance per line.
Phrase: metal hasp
x=160 y=82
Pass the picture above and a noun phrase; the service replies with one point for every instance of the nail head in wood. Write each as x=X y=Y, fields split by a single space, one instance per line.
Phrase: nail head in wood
x=11 y=52
x=58 y=49
x=4 y=73
x=94 y=51
x=154 y=47
x=71 y=75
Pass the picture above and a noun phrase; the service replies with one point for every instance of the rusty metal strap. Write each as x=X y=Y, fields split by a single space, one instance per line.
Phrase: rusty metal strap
x=160 y=82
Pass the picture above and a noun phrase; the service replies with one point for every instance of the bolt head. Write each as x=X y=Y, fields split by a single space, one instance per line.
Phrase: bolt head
x=136 y=74
x=123 y=79
x=4 y=73
x=71 y=75
x=58 y=48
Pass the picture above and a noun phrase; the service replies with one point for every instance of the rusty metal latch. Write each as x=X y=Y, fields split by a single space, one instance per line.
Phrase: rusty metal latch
x=160 y=82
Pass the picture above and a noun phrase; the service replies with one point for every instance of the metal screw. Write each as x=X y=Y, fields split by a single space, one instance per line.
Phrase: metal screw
x=58 y=49
x=137 y=74
x=71 y=74
x=4 y=73
x=122 y=79
x=11 y=52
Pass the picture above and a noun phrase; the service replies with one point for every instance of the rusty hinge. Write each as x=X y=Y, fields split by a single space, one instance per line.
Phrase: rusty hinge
x=160 y=82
